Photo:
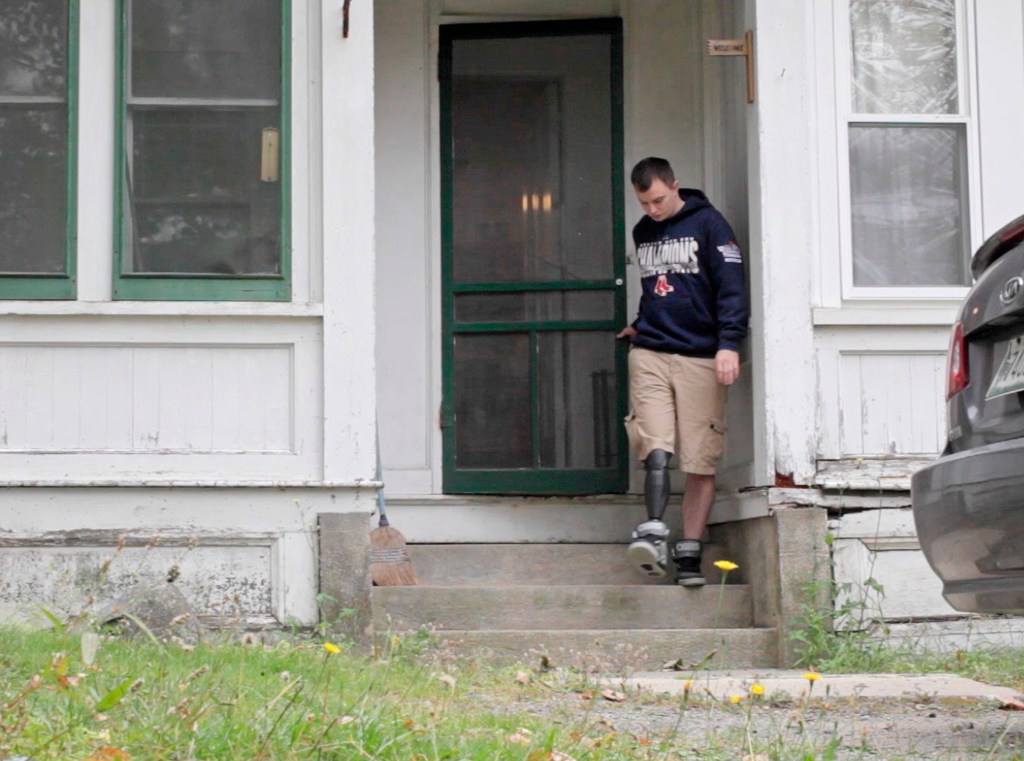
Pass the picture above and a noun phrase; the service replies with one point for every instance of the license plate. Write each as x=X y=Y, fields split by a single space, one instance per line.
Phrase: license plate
x=1009 y=377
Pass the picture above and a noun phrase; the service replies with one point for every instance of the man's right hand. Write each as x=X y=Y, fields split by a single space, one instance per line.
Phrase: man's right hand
x=627 y=332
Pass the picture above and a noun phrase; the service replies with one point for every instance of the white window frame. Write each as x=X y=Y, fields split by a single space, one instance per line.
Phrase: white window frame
x=846 y=118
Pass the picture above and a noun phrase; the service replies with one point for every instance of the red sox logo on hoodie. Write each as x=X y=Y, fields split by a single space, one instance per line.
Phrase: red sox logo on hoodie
x=662 y=287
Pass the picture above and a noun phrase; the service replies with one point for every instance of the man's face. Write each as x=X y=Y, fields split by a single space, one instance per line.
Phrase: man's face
x=660 y=201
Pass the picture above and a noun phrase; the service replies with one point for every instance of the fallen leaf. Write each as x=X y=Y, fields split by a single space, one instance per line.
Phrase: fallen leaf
x=109 y=754
x=517 y=738
x=613 y=695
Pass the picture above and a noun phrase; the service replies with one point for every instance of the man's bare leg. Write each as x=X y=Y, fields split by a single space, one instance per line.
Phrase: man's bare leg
x=686 y=552
x=697 y=501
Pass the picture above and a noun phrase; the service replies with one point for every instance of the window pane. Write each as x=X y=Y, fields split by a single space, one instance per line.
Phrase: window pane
x=904 y=56
x=531 y=176
x=577 y=399
x=33 y=47
x=33 y=189
x=909 y=196
x=206 y=49
x=492 y=401
x=197 y=203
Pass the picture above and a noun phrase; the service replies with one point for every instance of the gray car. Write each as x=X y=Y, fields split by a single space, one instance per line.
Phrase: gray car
x=969 y=503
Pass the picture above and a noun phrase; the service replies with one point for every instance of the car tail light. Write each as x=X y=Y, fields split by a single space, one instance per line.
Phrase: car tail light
x=957 y=372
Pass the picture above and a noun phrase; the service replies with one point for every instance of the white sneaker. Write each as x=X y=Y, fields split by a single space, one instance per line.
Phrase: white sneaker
x=649 y=550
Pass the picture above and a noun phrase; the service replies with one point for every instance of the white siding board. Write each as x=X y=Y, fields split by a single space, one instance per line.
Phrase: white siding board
x=927 y=402
x=882 y=545
x=55 y=398
x=406 y=289
x=889 y=403
x=347 y=209
x=880 y=390
x=1000 y=86
x=160 y=399
x=783 y=168
x=829 y=415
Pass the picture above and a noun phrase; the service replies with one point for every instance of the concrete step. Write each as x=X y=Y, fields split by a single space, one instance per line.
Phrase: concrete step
x=539 y=564
x=561 y=607
x=615 y=651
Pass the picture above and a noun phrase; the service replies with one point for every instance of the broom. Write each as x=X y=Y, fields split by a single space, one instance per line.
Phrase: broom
x=390 y=562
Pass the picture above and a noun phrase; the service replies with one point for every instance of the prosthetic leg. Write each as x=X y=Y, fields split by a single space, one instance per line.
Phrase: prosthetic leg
x=648 y=552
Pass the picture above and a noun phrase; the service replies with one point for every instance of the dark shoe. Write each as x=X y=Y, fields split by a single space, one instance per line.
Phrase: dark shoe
x=686 y=556
x=649 y=550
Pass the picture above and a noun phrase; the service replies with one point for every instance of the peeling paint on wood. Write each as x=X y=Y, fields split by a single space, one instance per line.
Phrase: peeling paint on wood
x=223 y=583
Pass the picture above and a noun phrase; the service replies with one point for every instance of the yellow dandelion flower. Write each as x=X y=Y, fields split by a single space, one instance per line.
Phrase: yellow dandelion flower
x=726 y=565
x=330 y=647
x=757 y=688
x=811 y=676
x=735 y=698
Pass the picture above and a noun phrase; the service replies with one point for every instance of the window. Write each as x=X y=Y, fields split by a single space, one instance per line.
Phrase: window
x=37 y=137
x=203 y=159
x=907 y=131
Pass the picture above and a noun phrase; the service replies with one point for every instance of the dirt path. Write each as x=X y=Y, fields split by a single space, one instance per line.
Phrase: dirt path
x=846 y=728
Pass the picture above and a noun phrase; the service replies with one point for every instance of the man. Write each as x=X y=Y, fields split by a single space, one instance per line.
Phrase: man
x=684 y=354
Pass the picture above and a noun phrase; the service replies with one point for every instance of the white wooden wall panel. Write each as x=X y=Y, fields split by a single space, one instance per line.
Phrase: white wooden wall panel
x=408 y=261
x=880 y=390
x=1000 y=99
x=141 y=399
x=890 y=403
x=881 y=545
x=161 y=399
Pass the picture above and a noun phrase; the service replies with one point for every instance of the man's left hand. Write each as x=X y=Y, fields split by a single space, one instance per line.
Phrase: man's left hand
x=727 y=366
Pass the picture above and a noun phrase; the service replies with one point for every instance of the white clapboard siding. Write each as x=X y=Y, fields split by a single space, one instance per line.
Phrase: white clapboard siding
x=880 y=547
x=891 y=403
x=146 y=398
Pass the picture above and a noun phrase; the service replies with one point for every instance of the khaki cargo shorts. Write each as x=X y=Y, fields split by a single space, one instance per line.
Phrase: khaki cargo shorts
x=674 y=397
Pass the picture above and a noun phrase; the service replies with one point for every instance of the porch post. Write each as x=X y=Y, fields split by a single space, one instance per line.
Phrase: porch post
x=349 y=369
x=783 y=224
x=346 y=218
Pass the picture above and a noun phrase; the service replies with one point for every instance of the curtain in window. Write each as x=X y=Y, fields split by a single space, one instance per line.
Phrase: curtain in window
x=907 y=175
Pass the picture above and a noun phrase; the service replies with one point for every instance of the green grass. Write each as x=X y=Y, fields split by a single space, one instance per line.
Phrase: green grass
x=292 y=700
x=296 y=699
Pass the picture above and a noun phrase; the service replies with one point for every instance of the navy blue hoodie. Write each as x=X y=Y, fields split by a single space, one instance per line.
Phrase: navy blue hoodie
x=694 y=298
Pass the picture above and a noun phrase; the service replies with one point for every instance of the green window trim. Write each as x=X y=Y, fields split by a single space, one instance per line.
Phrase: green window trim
x=201 y=287
x=30 y=286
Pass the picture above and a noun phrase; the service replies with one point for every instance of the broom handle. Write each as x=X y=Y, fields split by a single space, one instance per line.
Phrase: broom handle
x=380 y=489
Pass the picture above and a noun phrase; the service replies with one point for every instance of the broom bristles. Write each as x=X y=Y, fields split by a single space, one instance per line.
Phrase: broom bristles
x=390 y=562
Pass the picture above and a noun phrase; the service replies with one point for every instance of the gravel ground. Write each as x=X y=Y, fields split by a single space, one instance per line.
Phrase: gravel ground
x=847 y=728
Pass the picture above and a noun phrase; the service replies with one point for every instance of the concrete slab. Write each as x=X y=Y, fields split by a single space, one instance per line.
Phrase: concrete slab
x=778 y=683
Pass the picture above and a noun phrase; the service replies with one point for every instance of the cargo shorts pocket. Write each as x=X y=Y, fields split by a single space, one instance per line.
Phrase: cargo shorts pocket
x=713 y=442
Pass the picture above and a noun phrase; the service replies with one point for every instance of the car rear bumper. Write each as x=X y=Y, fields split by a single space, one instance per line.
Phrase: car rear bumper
x=969 y=512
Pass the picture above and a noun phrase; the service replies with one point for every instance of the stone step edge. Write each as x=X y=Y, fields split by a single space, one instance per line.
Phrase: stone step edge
x=690 y=651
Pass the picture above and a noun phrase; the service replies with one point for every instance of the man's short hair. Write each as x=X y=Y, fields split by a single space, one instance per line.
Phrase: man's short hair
x=650 y=169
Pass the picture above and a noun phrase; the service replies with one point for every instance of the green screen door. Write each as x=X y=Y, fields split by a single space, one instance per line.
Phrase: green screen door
x=533 y=265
